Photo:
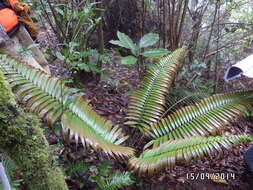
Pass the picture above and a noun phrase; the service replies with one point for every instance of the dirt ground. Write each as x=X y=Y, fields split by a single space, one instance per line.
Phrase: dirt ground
x=110 y=99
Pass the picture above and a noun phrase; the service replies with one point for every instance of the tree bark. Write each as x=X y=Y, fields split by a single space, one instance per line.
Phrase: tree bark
x=23 y=141
x=100 y=35
x=197 y=17
x=176 y=18
x=26 y=40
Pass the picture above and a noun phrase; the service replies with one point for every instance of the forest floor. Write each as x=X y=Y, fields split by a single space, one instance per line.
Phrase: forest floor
x=111 y=101
x=110 y=98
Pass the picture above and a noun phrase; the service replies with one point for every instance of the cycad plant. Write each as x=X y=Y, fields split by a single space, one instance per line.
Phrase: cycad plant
x=191 y=132
x=183 y=135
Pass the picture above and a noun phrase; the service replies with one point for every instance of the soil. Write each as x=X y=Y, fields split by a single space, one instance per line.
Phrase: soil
x=110 y=99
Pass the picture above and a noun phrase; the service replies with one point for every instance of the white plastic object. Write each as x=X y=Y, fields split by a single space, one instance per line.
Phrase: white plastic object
x=244 y=67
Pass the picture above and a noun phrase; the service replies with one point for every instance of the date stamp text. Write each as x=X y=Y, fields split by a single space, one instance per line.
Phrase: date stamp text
x=210 y=176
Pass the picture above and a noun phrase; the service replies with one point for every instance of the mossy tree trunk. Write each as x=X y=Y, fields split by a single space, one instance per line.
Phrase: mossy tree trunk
x=23 y=141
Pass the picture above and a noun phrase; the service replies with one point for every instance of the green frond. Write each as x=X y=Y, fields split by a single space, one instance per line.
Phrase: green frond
x=99 y=139
x=181 y=98
x=148 y=103
x=179 y=151
x=76 y=168
x=51 y=99
x=117 y=181
x=204 y=118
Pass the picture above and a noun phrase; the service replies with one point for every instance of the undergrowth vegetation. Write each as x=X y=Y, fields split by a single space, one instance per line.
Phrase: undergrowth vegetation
x=187 y=133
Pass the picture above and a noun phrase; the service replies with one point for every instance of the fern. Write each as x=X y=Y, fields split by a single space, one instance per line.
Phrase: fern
x=75 y=169
x=116 y=181
x=51 y=99
x=180 y=98
x=177 y=137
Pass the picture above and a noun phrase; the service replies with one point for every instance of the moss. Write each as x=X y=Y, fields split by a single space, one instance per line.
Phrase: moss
x=23 y=141
x=5 y=91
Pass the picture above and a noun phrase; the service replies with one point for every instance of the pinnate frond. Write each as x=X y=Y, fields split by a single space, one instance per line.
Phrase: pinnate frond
x=148 y=103
x=179 y=151
x=206 y=117
x=116 y=181
x=51 y=99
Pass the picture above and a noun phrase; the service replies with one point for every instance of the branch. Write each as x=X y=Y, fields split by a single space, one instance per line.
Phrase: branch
x=211 y=32
x=228 y=45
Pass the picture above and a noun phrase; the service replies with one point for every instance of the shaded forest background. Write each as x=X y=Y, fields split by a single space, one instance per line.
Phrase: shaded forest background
x=217 y=33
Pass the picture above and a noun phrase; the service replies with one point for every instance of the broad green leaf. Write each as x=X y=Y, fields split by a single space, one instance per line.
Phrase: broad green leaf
x=84 y=67
x=148 y=40
x=127 y=42
x=159 y=52
x=60 y=11
x=118 y=43
x=129 y=60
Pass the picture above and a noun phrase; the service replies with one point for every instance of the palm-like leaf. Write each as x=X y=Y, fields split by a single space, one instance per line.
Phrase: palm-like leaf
x=181 y=98
x=148 y=103
x=50 y=99
x=183 y=150
x=203 y=118
x=181 y=135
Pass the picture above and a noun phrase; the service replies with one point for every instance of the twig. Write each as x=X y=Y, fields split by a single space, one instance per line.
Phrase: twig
x=211 y=32
x=216 y=79
x=231 y=44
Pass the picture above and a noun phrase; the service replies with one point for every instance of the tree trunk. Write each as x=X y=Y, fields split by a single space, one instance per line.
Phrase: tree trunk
x=211 y=32
x=23 y=141
x=100 y=35
x=175 y=17
x=26 y=40
x=197 y=17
